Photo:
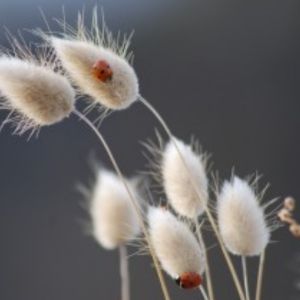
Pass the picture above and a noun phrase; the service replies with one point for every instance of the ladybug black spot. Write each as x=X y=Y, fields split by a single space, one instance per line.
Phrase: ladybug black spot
x=177 y=281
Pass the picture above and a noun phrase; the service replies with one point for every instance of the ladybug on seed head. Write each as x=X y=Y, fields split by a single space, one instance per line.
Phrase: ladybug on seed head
x=102 y=70
x=189 y=280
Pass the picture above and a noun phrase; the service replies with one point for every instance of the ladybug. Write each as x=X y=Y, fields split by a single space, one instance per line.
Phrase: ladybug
x=189 y=280
x=102 y=71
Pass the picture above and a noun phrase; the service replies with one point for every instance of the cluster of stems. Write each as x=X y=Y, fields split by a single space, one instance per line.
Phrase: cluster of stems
x=243 y=292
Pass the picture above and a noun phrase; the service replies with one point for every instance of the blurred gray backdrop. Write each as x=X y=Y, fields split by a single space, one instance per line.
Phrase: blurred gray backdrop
x=226 y=71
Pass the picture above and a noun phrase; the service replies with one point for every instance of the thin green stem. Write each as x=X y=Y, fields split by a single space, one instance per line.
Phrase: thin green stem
x=207 y=211
x=133 y=201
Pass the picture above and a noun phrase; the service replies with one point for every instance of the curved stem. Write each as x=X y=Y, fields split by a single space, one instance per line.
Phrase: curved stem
x=124 y=273
x=203 y=292
x=132 y=199
x=207 y=266
x=207 y=211
x=260 y=275
x=245 y=277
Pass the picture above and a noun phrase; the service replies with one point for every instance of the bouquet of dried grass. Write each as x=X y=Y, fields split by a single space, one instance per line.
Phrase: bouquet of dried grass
x=41 y=89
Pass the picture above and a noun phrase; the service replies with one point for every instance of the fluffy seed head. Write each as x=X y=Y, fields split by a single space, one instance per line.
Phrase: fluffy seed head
x=177 y=182
x=175 y=245
x=113 y=217
x=289 y=203
x=241 y=220
x=285 y=216
x=98 y=65
x=295 y=229
x=35 y=94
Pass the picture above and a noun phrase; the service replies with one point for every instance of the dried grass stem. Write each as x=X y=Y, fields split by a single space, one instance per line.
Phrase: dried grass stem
x=260 y=275
x=133 y=200
x=207 y=266
x=124 y=273
x=207 y=211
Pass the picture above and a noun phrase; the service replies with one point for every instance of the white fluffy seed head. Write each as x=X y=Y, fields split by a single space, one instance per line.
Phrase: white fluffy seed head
x=35 y=94
x=114 y=221
x=241 y=220
x=80 y=49
x=177 y=176
x=175 y=245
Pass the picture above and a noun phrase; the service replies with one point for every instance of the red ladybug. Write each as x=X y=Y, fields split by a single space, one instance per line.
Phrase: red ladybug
x=189 y=280
x=102 y=71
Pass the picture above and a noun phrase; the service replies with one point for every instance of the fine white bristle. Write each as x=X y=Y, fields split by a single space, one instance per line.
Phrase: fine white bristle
x=114 y=221
x=180 y=177
x=78 y=58
x=242 y=223
x=174 y=243
x=35 y=94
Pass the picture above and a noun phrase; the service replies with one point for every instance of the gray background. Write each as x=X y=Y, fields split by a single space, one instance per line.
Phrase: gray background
x=227 y=71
